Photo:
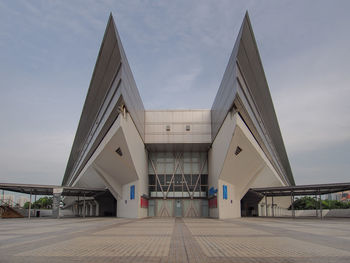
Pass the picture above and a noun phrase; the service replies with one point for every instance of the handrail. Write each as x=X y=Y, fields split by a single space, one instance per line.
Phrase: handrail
x=8 y=202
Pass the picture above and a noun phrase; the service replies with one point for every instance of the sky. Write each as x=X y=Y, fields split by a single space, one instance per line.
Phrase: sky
x=178 y=51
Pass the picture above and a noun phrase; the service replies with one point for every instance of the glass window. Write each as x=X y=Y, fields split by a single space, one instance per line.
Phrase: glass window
x=152 y=179
x=161 y=179
x=204 y=179
x=178 y=179
x=194 y=178
x=188 y=164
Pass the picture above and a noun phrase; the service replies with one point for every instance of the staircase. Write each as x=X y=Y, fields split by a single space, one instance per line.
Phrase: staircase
x=6 y=211
x=9 y=212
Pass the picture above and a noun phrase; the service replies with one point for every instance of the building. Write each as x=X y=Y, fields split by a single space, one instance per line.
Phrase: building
x=21 y=200
x=8 y=199
x=190 y=163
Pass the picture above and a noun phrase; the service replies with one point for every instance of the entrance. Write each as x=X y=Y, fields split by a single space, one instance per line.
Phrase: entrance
x=178 y=208
x=249 y=204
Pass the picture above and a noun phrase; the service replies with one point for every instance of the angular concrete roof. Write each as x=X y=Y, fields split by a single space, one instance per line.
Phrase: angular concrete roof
x=244 y=87
x=112 y=85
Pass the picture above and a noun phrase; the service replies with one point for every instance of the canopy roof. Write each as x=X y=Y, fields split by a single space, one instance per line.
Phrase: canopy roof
x=38 y=189
x=313 y=189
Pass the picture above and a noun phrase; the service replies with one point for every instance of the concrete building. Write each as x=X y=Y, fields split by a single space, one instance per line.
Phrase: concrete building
x=21 y=200
x=8 y=199
x=187 y=163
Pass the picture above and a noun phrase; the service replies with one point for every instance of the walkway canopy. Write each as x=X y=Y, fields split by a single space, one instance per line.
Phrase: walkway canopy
x=38 y=189
x=301 y=190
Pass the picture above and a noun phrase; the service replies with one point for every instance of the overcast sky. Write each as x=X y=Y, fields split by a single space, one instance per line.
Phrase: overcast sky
x=178 y=51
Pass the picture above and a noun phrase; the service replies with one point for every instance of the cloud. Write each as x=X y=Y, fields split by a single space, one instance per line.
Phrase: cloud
x=311 y=98
x=178 y=51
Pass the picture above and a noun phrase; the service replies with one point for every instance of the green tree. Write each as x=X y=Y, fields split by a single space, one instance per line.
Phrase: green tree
x=43 y=203
x=310 y=203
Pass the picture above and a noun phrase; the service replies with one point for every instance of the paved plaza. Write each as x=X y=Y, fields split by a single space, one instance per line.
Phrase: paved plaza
x=174 y=240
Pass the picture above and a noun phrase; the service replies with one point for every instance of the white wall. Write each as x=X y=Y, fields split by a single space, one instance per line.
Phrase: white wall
x=128 y=209
x=230 y=207
x=250 y=168
x=156 y=121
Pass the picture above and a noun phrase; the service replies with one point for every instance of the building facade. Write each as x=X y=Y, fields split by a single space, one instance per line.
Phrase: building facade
x=183 y=163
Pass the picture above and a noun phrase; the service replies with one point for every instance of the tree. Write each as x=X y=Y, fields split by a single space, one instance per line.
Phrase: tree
x=310 y=203
x=26 y=205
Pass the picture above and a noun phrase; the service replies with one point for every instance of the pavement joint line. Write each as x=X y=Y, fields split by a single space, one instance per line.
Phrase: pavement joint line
x=57 y=238
x=182 y=242
x=299 y=235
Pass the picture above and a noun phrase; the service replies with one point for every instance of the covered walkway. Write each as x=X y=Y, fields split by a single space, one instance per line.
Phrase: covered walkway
x=316 y=190
x=55 y=190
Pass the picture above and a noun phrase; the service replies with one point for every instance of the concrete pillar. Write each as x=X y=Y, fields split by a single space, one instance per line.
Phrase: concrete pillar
x=34 y=207
x=316 y=206
x=91 y=209
x=56 y=202
x=97 y=208
x=30 y=204
x=84 y=207
x=266 y=206
x=78 y=207
x=320 y=206
x=292 y=201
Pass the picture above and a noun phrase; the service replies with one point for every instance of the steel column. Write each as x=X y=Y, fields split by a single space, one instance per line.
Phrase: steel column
x=292 y=201
x=320 y=206
x=30 y=204
x=84 y=207
x=34 y=206
x=273 y=212
x=316 y=206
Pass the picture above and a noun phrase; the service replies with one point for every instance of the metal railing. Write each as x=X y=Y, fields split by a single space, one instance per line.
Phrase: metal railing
x=8 y=203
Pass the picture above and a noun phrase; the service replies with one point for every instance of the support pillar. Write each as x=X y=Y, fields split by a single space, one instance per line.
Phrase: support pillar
x=34 y=206
x=292 y=200
x=84 y=209
x=320 y=206
x=30 y=204
x=78 y=207
x=316 y=205
x=97 y=208
x=265 y=205
x=56 y=202
x=91 y=209
x=273 y=212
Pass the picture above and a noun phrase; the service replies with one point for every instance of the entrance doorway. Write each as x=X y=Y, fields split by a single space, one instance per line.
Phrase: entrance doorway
x=178 y=208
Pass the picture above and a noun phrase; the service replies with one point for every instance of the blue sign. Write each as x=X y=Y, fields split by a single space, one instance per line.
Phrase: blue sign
x=132 y=192
x=224 y=191
x=212 y=191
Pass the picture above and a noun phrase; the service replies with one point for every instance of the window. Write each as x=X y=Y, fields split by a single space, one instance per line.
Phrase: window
x=188 y=127
x=167 y=128
x=190 y=173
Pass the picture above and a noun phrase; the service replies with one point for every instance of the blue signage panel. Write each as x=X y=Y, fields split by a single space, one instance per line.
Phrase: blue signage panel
x=132 y=192
x=224 y=191
x=212 y=191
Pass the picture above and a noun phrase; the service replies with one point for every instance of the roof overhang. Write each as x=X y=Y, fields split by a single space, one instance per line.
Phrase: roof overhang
x=38 y=189
x=301 y=190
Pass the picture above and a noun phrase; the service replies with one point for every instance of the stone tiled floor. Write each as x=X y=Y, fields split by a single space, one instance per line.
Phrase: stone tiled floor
x=174 y=240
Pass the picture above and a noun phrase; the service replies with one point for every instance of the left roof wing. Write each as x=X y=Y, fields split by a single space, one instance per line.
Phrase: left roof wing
x=112 y=85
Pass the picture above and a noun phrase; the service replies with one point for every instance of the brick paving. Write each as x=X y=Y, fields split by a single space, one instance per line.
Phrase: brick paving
x=164 y=240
